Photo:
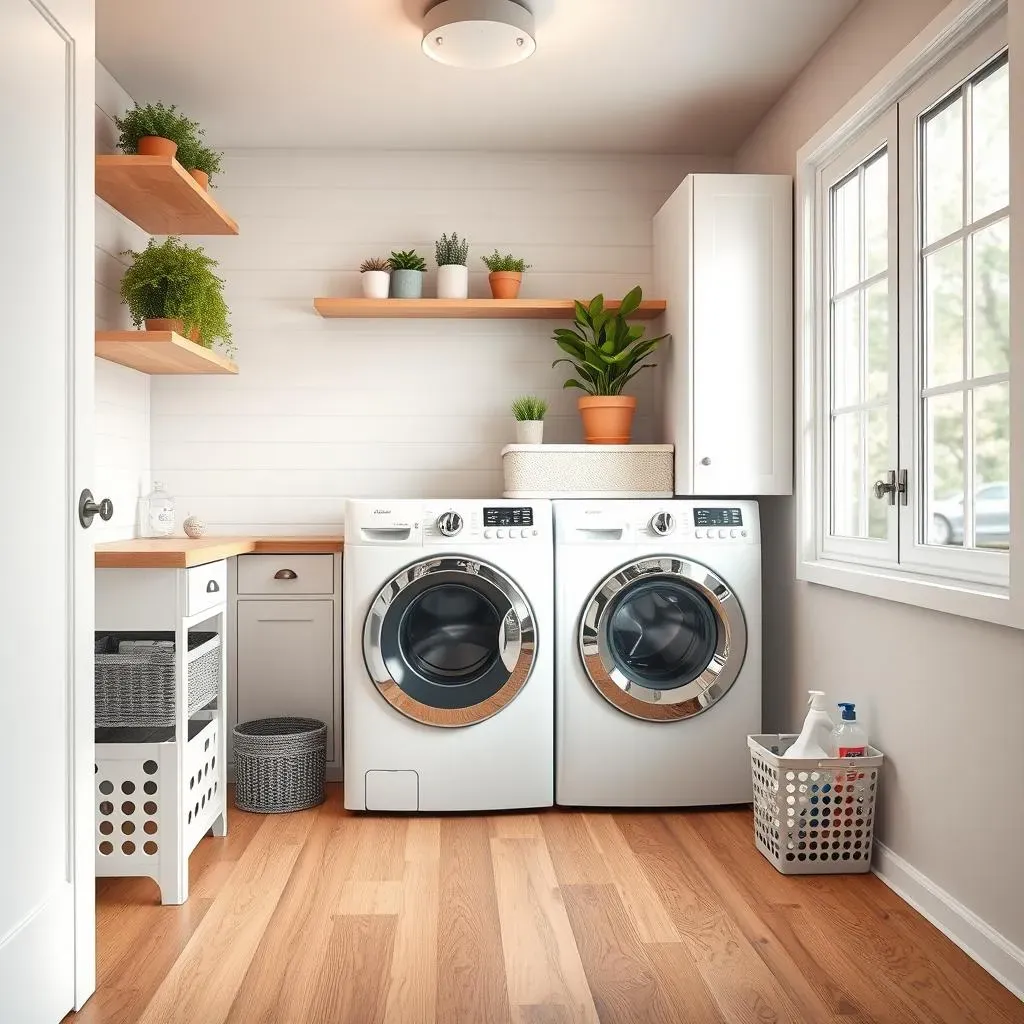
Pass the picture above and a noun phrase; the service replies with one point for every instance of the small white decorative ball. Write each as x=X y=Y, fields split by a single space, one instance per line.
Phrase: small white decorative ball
x=194 y=527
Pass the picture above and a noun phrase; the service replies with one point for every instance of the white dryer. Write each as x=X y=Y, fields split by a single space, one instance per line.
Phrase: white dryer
x=658 y=659
x=449 y=664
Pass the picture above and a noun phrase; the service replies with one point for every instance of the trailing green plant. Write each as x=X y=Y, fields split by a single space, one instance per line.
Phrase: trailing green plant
x=408 y=259
x=174 y=280
x=604 y=349
x=508 y=263
x=529 y=407
x=194 y=156
x=155 y=119
x=374 y=263
x=452 y=252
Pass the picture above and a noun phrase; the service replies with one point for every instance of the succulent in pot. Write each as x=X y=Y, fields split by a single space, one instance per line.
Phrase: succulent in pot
x=155 y=130
x=506 y=274
x=171 y=286
x=529 y=412
x=376 y=277
x=607 y=352
x=200 y=161
x=452 y=272
x=407 y=269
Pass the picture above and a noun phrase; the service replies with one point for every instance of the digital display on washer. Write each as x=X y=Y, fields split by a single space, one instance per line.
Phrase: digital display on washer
x=717 y=517
x=508 y=516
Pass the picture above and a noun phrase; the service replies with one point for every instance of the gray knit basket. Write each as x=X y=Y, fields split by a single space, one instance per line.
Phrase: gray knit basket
x=279 y=764
x=136 y=689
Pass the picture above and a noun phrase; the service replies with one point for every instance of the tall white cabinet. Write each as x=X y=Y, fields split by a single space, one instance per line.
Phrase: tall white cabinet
x=723 y=258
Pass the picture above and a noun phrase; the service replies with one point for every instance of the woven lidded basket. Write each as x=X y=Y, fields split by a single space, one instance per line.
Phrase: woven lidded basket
x=134 y=685
x=279 y=764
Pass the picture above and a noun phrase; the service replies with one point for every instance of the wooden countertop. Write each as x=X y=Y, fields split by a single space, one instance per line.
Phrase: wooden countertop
x=182 y=552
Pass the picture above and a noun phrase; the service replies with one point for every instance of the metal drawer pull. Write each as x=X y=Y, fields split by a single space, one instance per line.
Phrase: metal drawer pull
x=286 y=574
x=212 y=587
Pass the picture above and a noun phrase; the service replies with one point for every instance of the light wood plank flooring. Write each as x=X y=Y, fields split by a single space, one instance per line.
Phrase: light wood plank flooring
x=550 y=918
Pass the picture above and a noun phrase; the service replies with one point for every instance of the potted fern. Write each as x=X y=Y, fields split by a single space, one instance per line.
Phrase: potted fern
x=171 y=286
x=376 y=277
x=606 y=353
x=407 y=274
x=506 y=274
x=155 y=130
x=200 y=161
x=529 y=412
x=452 y=272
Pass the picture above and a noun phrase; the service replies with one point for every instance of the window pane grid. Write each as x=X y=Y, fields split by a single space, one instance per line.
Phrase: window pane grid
x=964 y=350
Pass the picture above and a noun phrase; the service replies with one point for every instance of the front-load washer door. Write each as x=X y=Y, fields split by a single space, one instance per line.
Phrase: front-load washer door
x=449 y=641
x=663 y=638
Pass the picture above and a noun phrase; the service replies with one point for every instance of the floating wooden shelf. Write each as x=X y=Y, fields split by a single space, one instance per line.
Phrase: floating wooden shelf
x=159 y=195
x=467 y=309
x=160 y=352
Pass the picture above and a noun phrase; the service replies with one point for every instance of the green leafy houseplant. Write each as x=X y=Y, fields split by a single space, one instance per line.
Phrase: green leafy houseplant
x=451 y=252
x=508 y=264
x=606 y=352
x=155 y=120
x=175 y=281
x=407 y=274
x=194 y=156
x=506 y=275
x=529 y=413
x=407 y=260
x=529 y=407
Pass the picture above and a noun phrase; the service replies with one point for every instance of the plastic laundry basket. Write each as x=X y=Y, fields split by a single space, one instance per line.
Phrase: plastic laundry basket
x=813 y=816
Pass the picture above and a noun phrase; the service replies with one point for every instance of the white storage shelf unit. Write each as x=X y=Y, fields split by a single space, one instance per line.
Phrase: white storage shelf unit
x=160 y=790
x=723 y=259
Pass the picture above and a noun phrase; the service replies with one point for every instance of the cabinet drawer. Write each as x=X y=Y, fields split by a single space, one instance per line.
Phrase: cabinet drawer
x=206 y=586
x=286 y=574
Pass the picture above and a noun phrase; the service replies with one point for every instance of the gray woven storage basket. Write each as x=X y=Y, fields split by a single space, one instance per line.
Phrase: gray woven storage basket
x=136 y=689
x=279 y=764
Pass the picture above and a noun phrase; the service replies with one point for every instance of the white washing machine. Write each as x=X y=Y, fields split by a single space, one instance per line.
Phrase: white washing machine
x=658 y=651
x=449 y=655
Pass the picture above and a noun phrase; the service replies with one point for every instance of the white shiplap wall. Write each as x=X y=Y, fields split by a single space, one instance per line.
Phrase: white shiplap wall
x=122 y=395
x=324 y=410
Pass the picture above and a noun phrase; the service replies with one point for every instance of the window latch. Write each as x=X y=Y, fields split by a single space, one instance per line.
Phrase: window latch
x=894 y=484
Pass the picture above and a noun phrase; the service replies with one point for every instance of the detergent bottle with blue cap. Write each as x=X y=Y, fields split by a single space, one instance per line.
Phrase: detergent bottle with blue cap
x=848 y=738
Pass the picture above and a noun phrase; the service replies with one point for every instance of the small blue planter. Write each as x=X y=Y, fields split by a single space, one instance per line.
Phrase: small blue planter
x=406 y=284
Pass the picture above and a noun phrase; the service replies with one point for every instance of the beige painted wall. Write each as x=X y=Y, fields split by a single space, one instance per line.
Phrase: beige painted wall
x=943 y=696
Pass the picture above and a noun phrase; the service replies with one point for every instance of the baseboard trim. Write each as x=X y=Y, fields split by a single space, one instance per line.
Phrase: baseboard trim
x=978 y=939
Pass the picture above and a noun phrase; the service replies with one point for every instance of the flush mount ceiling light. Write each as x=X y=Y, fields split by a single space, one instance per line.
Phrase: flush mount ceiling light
x=478 y=33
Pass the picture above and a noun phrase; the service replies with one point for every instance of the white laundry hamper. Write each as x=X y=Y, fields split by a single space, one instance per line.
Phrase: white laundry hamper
x=813 y=816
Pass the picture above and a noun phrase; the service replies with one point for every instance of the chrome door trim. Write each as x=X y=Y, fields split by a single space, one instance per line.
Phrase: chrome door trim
x=642 y=701
x=517 y=642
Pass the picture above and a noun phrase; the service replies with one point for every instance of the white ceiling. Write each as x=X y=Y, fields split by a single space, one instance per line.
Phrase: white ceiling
x=651 y=76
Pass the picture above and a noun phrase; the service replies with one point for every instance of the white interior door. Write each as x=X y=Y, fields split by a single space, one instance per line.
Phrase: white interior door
x=47 y=944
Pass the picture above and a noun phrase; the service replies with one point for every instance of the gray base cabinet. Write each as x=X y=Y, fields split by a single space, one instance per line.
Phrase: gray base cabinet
x=287 y=643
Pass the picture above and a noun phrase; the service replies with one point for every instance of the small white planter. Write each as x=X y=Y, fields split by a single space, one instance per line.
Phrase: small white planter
x=376 y=284
x=529 y=431
x=453 y=281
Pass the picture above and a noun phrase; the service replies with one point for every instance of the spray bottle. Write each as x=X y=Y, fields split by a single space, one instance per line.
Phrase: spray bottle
x=815 y=739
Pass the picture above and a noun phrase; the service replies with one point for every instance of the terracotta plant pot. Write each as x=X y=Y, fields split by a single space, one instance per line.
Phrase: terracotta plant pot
x=165 y=324
x=505 y=284
x=607 y=419
x=154 y=145
x=202 y=178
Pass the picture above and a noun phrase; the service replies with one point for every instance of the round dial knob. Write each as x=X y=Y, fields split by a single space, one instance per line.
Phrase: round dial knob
x=663 y=524
x=449 y=524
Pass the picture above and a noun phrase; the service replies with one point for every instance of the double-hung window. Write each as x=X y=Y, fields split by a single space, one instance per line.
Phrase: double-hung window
x=906 y=357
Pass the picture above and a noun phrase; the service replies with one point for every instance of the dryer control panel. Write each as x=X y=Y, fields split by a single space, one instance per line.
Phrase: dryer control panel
x=664 y=522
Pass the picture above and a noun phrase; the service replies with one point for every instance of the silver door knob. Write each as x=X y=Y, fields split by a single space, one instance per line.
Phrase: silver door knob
x=663 y=523
x=882 y=488
x=89 y=509
x=449 y=524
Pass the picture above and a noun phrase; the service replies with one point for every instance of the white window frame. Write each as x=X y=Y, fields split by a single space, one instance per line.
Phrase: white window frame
x=976 y=593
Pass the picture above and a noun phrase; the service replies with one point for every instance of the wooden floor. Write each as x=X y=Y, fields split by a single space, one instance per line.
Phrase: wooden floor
x=528 y=919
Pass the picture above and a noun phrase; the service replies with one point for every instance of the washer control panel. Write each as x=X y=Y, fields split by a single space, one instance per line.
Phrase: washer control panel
x=468 y=522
